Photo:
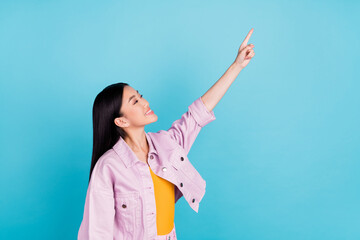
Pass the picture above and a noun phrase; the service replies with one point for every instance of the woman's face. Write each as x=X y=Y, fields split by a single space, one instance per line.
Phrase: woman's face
x=134 y=108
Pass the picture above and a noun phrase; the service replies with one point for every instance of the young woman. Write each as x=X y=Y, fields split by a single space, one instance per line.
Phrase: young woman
x=137 y=177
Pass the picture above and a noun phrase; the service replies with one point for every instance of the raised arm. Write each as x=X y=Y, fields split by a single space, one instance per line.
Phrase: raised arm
x=218 y=90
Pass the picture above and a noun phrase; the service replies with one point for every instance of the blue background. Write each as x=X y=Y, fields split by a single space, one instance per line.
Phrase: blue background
x=281 y=160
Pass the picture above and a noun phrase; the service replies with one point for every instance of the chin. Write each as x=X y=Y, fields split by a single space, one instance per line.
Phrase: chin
x=153 y=118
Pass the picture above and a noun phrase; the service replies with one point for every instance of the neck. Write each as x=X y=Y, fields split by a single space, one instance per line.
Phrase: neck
x=137 y=141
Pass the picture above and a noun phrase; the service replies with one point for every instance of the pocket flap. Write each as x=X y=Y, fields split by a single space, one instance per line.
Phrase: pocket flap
x=126 y=201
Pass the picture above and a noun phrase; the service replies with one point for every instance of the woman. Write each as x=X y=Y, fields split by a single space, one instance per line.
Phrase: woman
x=137 y=177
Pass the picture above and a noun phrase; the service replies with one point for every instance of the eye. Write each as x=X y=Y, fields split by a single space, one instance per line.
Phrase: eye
x=137 y=100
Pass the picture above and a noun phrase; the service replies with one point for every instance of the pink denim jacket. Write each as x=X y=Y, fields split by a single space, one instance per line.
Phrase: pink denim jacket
x=120 y=201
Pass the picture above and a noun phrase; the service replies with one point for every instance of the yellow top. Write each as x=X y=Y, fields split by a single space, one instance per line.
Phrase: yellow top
x=165 y=204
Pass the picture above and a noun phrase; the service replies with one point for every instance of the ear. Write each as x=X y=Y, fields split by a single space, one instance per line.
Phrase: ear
x=121 y=122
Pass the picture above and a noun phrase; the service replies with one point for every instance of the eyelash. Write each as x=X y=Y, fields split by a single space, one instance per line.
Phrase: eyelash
x=137 y=100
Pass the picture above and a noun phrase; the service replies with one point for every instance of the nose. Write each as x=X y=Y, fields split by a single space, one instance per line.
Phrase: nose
x=146 y=104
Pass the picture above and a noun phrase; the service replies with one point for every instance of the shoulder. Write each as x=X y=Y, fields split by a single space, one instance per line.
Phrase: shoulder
x=108 y=159
x=162 y=139
x=103 y=175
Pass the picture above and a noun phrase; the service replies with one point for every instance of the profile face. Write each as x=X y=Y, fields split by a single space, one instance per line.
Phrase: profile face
x=136 y=109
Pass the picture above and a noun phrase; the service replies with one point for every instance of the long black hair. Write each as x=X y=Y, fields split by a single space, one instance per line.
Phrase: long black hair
x=106 y=108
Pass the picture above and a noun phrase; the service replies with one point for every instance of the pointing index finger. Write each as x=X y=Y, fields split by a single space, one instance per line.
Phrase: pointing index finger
x=245 y=42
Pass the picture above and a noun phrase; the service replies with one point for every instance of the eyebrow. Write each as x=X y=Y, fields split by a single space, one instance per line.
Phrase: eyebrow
x=133 y=96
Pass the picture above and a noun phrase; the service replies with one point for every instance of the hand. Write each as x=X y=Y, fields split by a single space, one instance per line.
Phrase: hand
x=246 y=52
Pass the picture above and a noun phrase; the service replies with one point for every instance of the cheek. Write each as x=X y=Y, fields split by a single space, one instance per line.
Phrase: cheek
x=136 y=113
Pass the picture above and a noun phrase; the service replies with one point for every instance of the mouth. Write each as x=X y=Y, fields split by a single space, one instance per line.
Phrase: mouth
x=149 y=112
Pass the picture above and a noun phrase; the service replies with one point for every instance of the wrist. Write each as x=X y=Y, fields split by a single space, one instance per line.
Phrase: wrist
x=236 y=66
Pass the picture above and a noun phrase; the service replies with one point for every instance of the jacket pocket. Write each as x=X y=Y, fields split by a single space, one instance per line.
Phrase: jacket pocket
x=127 y=211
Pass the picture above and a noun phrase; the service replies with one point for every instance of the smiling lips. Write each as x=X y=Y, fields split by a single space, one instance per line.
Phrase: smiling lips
x=149 y=112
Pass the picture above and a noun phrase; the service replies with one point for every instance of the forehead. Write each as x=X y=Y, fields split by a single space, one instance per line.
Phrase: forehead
x=129 y=91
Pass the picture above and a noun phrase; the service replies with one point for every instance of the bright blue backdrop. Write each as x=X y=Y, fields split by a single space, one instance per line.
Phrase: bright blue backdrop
x=281 y=160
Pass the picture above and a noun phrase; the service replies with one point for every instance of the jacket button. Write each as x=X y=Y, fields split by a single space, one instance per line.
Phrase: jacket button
x=193 y=200
x=182 y=159
x=124 y=205
x=151 y=156
x=164 y=169
x=181 y=184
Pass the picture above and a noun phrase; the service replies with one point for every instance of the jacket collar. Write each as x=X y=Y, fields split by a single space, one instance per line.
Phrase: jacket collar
x=126 y=154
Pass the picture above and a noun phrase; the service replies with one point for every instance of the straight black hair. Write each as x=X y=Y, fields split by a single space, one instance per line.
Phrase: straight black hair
x=106 y=133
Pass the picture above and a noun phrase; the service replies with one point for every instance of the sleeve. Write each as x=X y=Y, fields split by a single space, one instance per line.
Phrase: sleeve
x=185 y=130
x=99 y=210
